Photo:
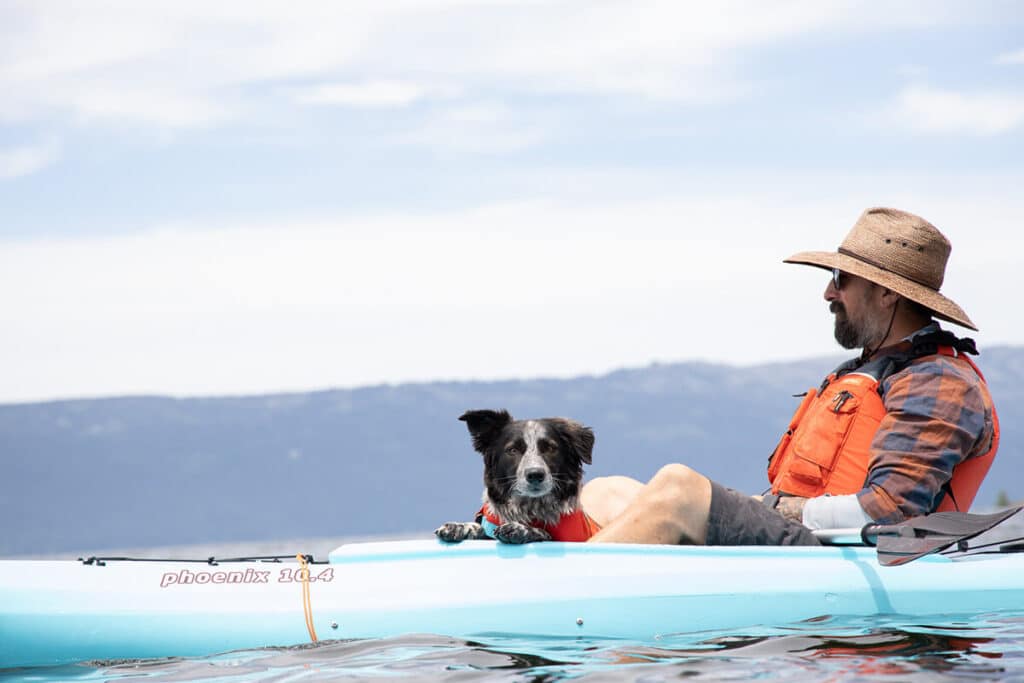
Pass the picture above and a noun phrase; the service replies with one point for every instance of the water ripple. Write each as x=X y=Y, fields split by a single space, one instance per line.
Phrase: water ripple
x=864 y=649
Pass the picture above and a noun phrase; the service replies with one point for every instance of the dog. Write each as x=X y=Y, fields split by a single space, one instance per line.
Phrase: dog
x=533 y=470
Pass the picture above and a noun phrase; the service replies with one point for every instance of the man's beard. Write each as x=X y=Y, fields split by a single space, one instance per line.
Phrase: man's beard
x=851 y=335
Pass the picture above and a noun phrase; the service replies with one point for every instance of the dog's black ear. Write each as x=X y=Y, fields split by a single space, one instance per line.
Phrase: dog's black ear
x=485 y=425
x=579 y=438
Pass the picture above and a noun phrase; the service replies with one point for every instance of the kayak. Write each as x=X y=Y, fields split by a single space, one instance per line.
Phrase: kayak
x=57 y=612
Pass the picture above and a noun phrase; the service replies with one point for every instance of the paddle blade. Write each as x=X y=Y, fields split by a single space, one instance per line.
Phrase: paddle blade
x=897 y=550
x=920 y=536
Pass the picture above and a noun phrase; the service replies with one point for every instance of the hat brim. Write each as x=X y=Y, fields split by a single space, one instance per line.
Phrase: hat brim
x=941 y=306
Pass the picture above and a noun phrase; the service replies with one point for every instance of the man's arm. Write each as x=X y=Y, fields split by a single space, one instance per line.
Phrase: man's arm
x=936 y=416
x=791 y=507
x=834 y=512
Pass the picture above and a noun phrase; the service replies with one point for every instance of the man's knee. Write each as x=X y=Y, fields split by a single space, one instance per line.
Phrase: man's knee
x=611 y=485
x=604 y=498
x=679 y=499
x=672 y=507
x=676 y=481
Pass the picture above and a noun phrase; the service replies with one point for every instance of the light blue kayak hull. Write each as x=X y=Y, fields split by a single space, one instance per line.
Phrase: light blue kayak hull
x=54 y=612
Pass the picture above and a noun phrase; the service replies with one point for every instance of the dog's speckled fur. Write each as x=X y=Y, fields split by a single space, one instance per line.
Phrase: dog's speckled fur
x=532 y=473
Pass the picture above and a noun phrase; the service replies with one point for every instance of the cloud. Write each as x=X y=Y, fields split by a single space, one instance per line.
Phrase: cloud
x=368 y=94
x=167 y=64
x=484 y=128
x=151 y=105
x=499 y=291
x=26 y=160
x=181 y=63
x=929 y=110
x=1016 y=57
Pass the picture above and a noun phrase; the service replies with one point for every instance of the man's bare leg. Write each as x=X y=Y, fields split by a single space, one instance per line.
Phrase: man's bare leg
x=671 y=508
x=605 y=498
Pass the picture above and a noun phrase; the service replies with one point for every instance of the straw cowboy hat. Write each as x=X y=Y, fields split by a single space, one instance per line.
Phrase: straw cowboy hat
x=899 y=251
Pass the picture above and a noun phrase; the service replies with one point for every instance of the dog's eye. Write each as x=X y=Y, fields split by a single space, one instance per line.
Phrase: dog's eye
x=511 y=450
x=545 y=446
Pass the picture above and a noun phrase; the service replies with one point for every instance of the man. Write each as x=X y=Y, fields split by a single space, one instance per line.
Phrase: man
x=905 y=429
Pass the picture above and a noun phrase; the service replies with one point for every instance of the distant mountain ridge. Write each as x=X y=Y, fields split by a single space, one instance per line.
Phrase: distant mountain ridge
x=143 y=471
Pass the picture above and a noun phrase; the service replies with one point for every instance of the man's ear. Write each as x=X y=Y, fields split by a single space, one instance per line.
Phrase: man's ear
x=580 y=439
x=484 y=426
x=889 y=297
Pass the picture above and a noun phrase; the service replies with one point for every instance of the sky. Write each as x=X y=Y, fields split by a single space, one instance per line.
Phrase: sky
x=250 y=197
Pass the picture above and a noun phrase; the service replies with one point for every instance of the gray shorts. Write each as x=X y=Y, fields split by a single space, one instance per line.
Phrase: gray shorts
x=738 y=519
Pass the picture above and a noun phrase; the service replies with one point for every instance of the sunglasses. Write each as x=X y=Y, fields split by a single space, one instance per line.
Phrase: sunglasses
x=839 y=278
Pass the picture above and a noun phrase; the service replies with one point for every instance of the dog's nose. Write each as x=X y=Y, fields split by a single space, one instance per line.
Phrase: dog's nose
x=535 y=475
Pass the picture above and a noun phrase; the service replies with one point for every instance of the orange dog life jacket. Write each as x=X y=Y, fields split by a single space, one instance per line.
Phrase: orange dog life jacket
x=575 y=526
x=827 y=447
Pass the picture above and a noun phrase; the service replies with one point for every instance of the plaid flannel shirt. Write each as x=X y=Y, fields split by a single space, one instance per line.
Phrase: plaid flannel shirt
x=938 y=413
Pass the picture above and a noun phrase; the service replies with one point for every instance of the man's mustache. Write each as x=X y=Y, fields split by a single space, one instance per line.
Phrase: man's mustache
x=837 y=307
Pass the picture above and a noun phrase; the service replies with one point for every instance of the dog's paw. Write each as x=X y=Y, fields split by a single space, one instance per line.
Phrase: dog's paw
x=516 y=532
x=454 y=532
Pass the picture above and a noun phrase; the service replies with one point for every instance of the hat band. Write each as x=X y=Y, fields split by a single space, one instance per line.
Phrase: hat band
x=876 y=264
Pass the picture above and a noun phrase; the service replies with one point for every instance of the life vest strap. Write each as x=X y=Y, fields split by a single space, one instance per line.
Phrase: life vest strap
x=574 y=526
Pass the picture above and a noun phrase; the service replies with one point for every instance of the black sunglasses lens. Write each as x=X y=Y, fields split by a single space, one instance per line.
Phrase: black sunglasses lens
x=837 y=278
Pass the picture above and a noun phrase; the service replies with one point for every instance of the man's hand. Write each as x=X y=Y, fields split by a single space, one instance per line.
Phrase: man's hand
x=792 y=508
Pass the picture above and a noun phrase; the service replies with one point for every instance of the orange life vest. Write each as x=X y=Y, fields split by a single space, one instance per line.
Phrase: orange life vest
x=575 y=526
x=827 y=447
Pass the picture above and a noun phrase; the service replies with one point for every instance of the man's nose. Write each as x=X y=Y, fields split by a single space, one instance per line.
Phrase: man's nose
x=831 y=293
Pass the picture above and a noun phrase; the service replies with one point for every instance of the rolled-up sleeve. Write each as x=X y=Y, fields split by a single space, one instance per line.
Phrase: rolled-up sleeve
x=936 y=416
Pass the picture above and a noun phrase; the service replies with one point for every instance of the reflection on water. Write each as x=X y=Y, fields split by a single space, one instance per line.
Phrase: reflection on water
x=822 y=649
x=880 y=653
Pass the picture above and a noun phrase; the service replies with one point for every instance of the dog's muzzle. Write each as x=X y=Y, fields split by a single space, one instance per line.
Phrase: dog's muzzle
x=533 y=482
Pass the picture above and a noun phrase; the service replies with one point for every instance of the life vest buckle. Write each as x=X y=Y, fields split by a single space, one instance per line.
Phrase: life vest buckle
x=840 y=399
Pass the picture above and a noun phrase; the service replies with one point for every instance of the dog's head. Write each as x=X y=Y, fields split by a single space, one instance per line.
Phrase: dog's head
x=530 y=458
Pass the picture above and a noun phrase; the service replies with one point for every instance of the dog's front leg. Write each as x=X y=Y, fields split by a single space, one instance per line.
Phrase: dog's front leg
x=517 y=532
x=455 y=532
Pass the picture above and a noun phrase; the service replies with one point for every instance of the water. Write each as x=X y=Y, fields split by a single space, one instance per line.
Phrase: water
x=987 y=648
